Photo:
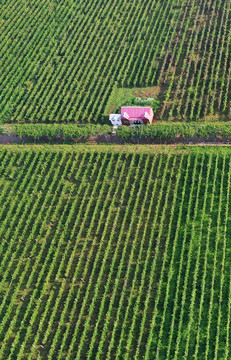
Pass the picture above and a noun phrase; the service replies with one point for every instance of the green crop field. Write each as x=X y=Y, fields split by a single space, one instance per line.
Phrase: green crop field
x=68 y=61
x=109 y=254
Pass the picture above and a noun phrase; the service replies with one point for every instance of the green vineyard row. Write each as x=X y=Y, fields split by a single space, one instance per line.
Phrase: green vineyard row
x=159 y=131
x=61 y=61
x=109 y=254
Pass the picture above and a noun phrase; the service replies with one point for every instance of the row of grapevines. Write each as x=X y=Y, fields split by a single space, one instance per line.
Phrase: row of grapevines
x=111 y=254
x=60 y=61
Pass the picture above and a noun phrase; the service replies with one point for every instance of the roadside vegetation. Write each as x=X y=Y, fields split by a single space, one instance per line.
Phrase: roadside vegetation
x=186 y=132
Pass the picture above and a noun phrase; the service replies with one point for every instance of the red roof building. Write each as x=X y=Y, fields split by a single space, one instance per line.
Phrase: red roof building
x=136 y=115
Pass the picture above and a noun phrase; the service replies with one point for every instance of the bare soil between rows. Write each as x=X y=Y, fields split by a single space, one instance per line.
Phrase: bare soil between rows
x=114 y=139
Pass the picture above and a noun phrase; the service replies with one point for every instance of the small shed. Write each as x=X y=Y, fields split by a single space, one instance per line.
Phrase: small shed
x=136 y=115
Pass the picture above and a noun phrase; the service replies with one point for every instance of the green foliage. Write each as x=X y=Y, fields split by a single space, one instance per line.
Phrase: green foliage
x=155 y=105
x=159 y=131
x=137 y=102
x=115 y=254
x=129 y=97
x=53 y=131
x=173 y=130
x=62 y=61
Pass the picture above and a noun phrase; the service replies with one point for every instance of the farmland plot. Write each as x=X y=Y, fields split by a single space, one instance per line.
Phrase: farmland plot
x=115 y=255
x=61 y=61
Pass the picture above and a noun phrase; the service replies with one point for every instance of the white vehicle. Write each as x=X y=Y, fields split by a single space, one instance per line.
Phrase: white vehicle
x=115 y=120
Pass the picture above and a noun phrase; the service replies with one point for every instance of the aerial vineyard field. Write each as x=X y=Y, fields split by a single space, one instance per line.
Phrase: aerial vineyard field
x=109 y=254
x=60 y=61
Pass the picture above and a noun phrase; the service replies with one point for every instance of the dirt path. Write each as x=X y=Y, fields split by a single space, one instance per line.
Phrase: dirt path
x=113 y=139
x=12 y=139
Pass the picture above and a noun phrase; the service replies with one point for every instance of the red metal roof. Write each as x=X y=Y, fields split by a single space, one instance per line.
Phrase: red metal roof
x=136 y=112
